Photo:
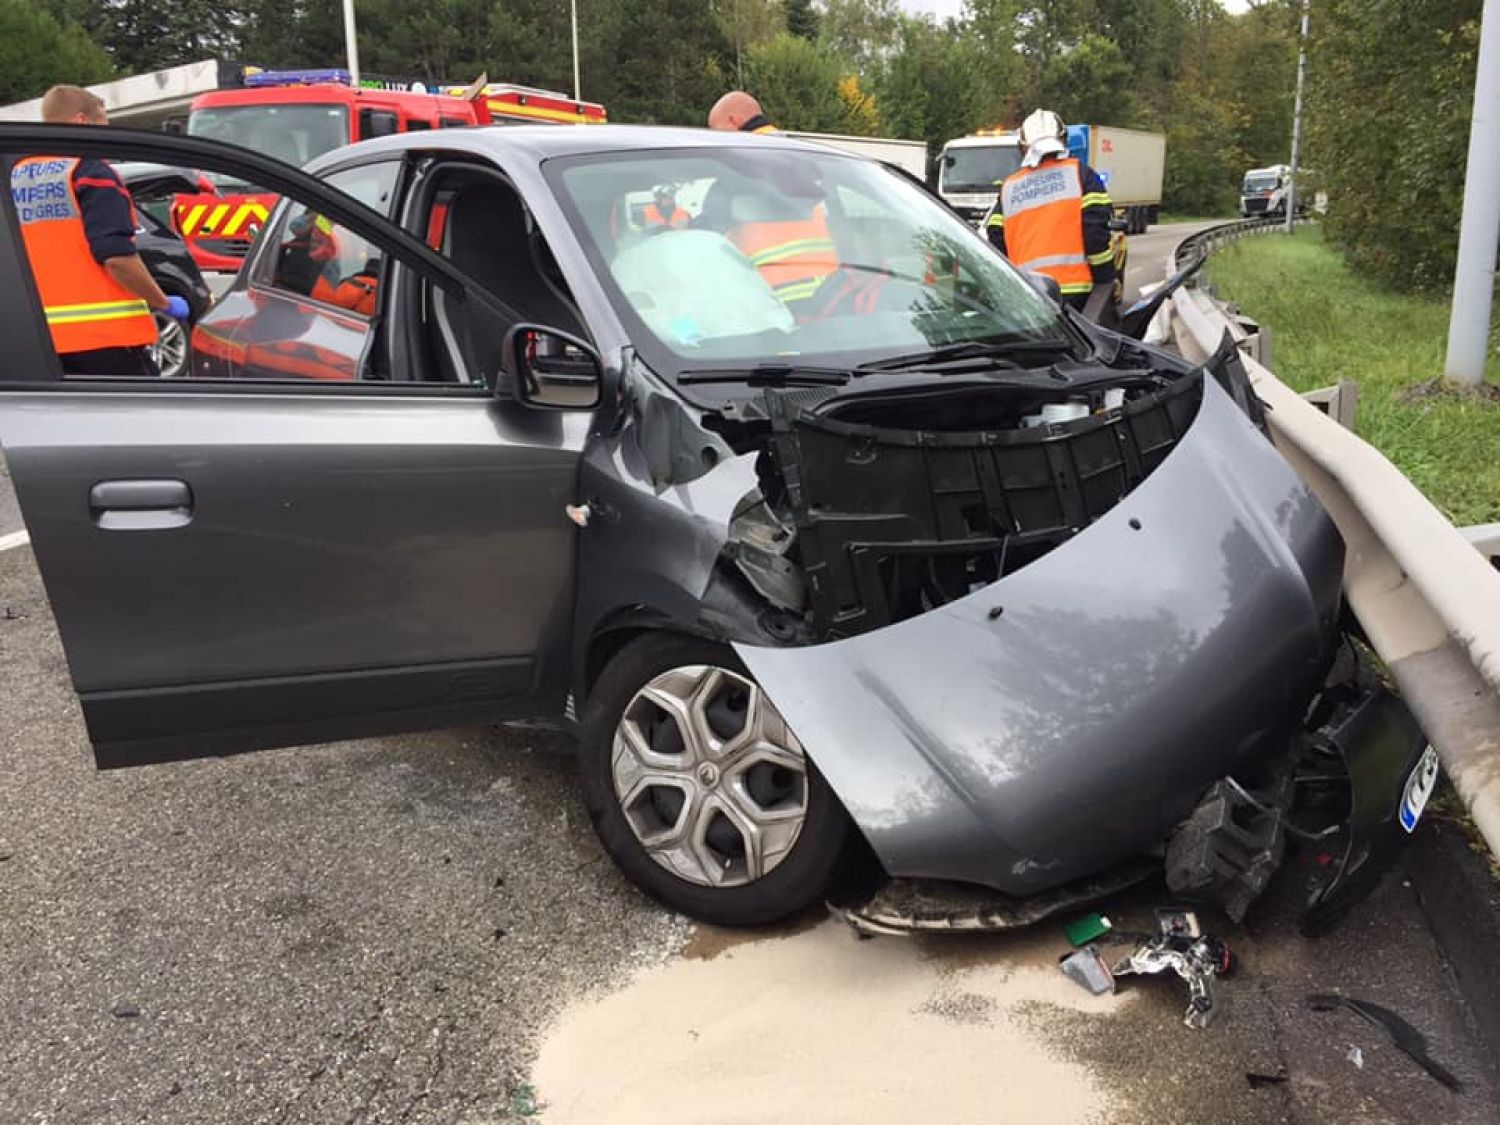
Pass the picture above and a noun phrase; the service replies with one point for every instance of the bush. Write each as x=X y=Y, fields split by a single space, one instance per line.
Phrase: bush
x=1391 y=89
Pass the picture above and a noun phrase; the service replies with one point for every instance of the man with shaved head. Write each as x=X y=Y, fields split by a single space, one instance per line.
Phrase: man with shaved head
x=738 y=112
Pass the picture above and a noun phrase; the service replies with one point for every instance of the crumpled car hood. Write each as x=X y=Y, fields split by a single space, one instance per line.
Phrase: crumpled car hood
x=1068 y=715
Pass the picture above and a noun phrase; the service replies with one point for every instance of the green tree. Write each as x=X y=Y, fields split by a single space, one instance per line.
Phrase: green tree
x=669 y=63
x=1204 y=164
x=745 y=24
x=1391 y=89
x=801 y=19
x=862 y=31
x=37 y=50
x=1087 y=82
x=142 y=35
x=938 y=84
x=292 y=33
x=797 y=82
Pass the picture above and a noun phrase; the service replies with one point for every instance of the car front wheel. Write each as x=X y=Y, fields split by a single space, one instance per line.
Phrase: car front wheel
x=171 y=348
x=700 y=791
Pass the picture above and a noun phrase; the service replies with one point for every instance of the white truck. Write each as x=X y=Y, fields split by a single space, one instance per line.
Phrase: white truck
x=1129 y=161
x=911 y=156
x=1264 y=191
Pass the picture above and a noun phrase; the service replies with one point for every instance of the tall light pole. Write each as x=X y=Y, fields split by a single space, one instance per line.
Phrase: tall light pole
x=577 y=94
x=1291 y=188
x=351 y=43
x=1479 y=230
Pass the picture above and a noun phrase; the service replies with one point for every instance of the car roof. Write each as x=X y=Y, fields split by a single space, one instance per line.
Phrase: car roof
x=542 y=142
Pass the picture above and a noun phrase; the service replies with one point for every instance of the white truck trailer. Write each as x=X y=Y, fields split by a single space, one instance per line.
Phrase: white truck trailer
x=1130 y=162
x=910 y=156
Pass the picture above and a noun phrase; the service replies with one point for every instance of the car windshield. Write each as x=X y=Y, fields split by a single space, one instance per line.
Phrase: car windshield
x=293 y=133
x=1256 y=184
x=978 y=169
x=733 y=257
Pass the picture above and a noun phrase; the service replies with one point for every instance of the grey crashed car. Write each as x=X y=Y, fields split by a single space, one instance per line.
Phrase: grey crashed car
x=821 y=526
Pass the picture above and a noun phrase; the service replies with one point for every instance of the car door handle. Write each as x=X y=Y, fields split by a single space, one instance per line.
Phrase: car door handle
x=141 y=505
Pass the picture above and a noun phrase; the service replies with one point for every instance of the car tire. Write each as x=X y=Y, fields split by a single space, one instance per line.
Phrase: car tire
x=672 y=803
x=173 y=350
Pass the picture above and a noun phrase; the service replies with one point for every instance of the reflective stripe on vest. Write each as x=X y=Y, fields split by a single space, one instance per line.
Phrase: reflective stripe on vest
x=793 y=256
x=1043 y=209
x=86 y=308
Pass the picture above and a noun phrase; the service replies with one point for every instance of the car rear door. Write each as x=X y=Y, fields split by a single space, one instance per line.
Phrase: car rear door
x=242 y=564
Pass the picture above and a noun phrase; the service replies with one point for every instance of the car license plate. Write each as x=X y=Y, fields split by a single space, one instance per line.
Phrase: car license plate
x=1419 y=786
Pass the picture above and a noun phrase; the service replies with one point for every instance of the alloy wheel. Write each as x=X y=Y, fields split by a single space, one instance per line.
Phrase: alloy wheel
x=171 y=348
x=710 y=778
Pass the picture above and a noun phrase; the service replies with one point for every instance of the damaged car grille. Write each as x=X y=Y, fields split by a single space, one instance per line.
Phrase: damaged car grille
x=897 y=516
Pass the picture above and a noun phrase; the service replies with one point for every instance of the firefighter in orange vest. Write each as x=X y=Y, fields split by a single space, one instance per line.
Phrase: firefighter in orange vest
x=794 y=254
x=1052 y=215
x=663 y=210
x=78 y=223
x=309 y=263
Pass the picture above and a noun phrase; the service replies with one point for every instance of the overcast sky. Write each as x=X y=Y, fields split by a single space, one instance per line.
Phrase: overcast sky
x=952 y=7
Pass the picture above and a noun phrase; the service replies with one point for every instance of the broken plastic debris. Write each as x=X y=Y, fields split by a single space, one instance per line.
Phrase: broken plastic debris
x=1198 y=961
x=1260 y=1081
x=1357 y=1057
x=1402 y=1035
x=1086 y=929
x=1087 y=967
x=1175 y=922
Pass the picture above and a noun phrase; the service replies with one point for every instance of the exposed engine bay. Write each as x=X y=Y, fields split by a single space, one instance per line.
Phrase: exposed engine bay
x=885 y=500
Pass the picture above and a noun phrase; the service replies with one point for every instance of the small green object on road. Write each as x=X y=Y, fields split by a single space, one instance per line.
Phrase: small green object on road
x=1086 y=929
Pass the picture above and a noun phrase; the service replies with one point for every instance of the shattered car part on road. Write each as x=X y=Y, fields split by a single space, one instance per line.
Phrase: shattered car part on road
x=1199 y=961
x=1405 y=1038
x=813 y=517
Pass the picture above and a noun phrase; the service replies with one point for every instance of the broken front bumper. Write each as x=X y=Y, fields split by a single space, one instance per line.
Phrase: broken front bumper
x=1070 y=715
x=1344 y=787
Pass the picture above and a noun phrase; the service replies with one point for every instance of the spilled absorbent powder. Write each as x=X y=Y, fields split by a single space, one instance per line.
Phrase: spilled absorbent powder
x=818 y=1026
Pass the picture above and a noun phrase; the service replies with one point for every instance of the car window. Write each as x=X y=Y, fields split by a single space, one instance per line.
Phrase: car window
x=259 y=286
x=313 y=257
x=736 y=255
x=483 y=225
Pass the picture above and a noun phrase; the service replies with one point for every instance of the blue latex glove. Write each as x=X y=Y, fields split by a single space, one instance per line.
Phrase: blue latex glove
x=178 y=308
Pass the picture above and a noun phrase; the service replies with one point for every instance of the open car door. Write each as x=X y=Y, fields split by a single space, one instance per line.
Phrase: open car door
x=237 y=564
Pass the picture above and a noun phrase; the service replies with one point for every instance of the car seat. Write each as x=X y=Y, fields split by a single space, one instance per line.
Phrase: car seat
x=488 y=235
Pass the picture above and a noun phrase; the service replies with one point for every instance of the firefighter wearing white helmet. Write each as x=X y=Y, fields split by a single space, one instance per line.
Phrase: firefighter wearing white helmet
x=1052 y=215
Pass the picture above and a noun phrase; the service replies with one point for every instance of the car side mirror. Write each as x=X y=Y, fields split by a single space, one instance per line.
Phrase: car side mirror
x=550 y=369
x=1044 y=284
x=1119 y=224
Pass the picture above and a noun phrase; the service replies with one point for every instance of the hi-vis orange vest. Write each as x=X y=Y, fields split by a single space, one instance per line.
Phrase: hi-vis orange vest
x=1043 y=209
x=793 y=256
x=676 y=220
x=86 y=308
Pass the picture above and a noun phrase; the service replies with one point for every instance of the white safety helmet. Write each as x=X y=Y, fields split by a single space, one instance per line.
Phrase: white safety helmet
x=1042 y=134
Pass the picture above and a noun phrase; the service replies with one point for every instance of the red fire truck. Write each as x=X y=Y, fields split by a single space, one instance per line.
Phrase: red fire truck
x=296 y=115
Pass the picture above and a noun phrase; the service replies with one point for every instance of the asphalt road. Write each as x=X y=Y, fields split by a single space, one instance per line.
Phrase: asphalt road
x=10 y=513
x=1146 y=258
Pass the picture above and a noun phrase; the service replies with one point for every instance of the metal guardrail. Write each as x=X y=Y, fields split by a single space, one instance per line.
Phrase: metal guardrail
x=1428 y=600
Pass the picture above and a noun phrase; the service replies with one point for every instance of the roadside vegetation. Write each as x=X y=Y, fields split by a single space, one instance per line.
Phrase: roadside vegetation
x=1330 y=323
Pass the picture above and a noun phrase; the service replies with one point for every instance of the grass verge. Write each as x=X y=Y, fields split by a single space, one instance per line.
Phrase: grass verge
x=1329 y=324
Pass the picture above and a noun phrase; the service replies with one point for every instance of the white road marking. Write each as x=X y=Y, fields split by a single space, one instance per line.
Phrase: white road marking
x=14 y=539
